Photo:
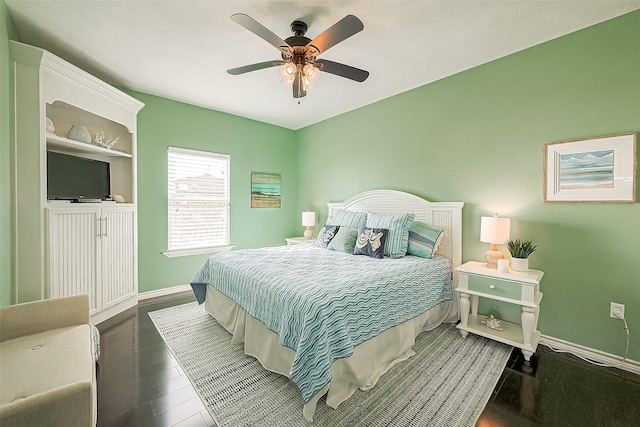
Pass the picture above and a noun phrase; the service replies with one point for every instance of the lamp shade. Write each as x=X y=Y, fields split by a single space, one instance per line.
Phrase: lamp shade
x=494 y=229
x=308 y=219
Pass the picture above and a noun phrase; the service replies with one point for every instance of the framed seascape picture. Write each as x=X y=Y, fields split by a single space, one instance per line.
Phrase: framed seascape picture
x=601 y=169
x=266 y=190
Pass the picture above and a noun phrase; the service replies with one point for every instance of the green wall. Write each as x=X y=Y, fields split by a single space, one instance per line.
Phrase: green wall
x=7 y=31
x=253 y=146
x=478 y=137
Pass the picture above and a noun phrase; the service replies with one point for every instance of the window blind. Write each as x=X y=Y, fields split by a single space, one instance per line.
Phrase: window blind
x=199 y=213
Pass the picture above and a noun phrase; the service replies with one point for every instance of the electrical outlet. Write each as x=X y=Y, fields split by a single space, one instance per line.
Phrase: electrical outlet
x=616 y=310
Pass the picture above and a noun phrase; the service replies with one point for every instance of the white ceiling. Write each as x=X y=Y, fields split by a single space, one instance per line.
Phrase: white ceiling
x=181 y=49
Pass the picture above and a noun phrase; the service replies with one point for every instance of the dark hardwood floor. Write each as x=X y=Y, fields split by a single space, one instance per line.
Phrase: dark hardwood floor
x=559 y=389
x=141 y=384
x=139 y=381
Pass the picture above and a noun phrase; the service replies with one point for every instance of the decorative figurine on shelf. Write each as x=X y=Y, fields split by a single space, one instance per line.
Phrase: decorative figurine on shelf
x=108 y=143
x=117 y=198
x=49 y=125
x=79 y=133
x=493 y=323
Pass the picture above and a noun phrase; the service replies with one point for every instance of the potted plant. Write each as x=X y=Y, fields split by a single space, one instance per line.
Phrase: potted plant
x=520 y=251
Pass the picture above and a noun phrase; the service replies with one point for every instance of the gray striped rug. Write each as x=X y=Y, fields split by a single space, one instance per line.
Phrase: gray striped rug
x=447 y=383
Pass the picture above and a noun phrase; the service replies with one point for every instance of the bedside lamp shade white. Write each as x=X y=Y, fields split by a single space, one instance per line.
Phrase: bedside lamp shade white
x=308 y=220
x=495 y=231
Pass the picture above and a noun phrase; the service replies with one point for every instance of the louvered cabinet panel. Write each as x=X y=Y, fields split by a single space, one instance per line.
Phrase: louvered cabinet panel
x=118 y=259
x=93 y=250
x=72 y=254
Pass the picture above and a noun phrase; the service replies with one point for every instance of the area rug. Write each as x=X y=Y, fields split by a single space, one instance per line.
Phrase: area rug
x=447 y=383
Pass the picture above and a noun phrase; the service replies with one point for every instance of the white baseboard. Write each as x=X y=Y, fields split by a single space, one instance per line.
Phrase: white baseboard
x=116 y=308
x=163 y=292
x=591 y=354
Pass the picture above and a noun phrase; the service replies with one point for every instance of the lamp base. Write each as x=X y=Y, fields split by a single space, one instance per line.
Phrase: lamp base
x=492 y=256
x=308 y=233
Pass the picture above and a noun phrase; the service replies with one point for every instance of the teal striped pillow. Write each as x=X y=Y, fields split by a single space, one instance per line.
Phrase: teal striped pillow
x=398 y=226
x=348 y=218
x=424 y=239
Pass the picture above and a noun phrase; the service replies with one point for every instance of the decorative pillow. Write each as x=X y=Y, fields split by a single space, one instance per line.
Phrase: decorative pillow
x=344 y=240
x=348 y=218
x=370 y=242
x=424 y=239
x=398 y=226
x=327 y=232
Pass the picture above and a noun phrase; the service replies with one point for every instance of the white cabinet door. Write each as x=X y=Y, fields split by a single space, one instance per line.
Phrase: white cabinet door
x=118 y=258
x=93 y=251
x=73 y=254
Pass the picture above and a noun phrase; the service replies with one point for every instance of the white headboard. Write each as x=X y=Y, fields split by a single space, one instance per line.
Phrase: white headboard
x=446 y=215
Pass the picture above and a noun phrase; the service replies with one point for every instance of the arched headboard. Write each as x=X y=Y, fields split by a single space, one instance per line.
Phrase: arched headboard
x=446 y=215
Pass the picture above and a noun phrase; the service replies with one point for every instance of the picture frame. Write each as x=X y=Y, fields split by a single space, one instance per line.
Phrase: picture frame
x=266 y=190
x=593 y=170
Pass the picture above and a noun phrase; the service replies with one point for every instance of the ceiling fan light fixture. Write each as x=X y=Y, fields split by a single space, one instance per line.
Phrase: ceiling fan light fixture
x=309 y=75
x=288 y=72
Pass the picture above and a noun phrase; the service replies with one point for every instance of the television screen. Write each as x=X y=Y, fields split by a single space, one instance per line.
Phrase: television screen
x=74 y=178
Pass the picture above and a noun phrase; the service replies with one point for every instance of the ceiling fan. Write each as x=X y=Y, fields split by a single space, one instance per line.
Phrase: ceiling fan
x=300 y=65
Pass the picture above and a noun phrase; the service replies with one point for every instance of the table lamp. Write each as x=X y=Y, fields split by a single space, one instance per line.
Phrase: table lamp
x=308 y=220
x=495 y=231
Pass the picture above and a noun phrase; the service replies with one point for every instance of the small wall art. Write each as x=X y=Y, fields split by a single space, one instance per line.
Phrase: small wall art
x=596 y=170
x=266 y=190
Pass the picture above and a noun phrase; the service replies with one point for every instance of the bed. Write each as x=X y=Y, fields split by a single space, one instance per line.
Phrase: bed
x=331 y=321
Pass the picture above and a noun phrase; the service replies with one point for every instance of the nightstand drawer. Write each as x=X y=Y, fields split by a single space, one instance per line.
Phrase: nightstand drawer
x=496 y=287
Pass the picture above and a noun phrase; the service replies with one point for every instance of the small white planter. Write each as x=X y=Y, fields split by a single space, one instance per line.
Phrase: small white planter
x=520 y=264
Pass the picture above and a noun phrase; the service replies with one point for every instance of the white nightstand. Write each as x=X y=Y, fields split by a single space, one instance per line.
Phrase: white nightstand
x=476 y=281
x=299 y=241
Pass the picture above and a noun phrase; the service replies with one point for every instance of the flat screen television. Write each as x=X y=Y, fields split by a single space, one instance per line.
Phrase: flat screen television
x=76 y=178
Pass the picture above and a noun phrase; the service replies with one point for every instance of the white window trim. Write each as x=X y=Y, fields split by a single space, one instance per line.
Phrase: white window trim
x=198 y=251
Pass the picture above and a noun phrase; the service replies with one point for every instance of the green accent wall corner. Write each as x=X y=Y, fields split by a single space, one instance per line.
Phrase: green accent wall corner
x=253 y=146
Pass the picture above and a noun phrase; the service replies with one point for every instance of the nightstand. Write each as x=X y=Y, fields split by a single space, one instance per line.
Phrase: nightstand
x=476 y=281
x=299 y=241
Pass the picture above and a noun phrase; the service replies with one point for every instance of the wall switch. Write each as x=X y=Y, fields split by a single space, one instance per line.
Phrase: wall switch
x=616 y=310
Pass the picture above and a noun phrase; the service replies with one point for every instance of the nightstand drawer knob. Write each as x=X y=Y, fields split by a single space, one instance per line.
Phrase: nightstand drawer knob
x=492 y=287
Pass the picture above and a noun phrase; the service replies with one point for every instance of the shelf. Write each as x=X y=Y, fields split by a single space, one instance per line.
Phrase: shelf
x=71 y=146
x=511 y=333
x=63 y=204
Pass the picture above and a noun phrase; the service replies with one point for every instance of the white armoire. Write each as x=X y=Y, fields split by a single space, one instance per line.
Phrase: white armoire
x=64 y=248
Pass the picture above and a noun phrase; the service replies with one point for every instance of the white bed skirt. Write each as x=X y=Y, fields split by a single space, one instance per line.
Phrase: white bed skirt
x=370 y=360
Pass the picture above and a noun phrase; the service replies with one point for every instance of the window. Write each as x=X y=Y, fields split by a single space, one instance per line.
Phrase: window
x=198 y=202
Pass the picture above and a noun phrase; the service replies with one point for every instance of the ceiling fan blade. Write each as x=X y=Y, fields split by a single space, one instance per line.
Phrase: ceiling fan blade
x=254 y=67
x=260 y=30
x=342 y=70
x=298 y=91
x=341 y=30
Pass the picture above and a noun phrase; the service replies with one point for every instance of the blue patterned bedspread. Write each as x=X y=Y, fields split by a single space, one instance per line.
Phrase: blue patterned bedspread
x=323 y=303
